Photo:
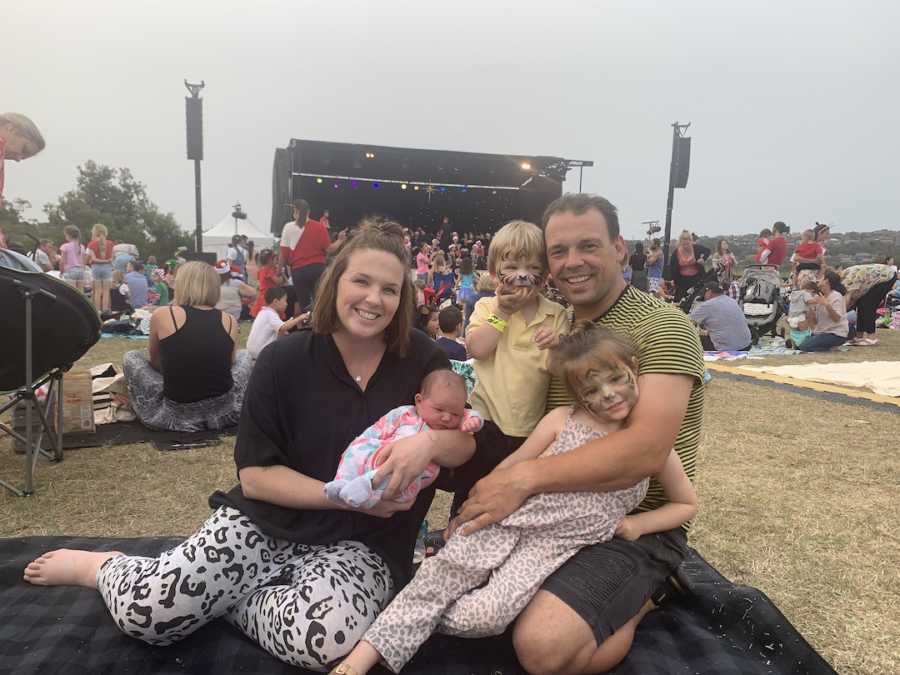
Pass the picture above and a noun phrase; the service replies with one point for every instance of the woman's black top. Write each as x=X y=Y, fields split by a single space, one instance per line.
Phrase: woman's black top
x=637 y=262
x=301 y=410
x=196 y=358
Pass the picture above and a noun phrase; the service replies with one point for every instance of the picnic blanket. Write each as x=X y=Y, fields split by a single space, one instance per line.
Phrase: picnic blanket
x=716 y=628
x=881 y=377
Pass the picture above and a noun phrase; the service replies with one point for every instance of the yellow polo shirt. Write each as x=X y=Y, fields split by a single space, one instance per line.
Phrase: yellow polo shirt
x=511 y=387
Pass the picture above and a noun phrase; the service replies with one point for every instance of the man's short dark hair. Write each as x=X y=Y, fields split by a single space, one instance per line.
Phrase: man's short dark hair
x=275 y=293
x=449 y=319
x=137 y=265
x=302 y=206
x=713 y=287
x=780 y=228
x=582 y=202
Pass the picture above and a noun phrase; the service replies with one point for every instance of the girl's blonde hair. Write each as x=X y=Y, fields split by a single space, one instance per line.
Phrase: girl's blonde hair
x=589 y=348
x=99 y=233
x=197 y=284
x=484 y=283
x=25 y=128
x=516 y=240
x=685 y=236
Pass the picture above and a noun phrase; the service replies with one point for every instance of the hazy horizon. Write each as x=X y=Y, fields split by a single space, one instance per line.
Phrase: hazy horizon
x=792 y=104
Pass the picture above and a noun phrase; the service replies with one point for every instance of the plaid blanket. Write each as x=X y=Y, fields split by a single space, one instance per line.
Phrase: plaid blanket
x=715 y=627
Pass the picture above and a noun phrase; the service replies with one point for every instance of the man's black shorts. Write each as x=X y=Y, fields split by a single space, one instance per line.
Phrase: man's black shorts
x=608 y=583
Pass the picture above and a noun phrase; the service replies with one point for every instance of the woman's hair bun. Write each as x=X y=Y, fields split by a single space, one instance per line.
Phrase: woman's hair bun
x=382 y=226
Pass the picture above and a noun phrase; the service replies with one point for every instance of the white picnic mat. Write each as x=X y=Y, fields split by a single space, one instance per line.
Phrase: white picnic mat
x=882 y=377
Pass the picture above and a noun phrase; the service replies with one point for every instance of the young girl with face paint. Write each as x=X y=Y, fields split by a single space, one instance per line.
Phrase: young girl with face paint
x=516 y=555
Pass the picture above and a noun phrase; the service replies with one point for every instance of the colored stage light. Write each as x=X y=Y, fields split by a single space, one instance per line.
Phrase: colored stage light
x=318 y=180
x=376 y=185
x=370 y=155
x=335 y=186
x=526 y=166
x=415 y=187
x=403 y=186
x=443 y=189
x=354 y=184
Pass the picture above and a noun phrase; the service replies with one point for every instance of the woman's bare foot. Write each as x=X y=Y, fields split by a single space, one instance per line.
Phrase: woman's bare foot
x=67 y=567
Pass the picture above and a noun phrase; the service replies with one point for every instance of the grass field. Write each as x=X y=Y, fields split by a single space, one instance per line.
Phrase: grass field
x=798 y=498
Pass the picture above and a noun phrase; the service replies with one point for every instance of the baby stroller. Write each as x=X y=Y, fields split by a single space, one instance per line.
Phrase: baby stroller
x=760 y=299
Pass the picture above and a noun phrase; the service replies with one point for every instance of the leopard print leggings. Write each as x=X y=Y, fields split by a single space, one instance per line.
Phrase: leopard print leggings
x=305 y=605
x=513 y=556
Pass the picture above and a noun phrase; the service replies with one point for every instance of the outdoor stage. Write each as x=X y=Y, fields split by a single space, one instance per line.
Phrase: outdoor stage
x=479 y=192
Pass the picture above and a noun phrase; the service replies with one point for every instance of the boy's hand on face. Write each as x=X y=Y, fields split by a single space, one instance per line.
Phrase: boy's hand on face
x=510 y=299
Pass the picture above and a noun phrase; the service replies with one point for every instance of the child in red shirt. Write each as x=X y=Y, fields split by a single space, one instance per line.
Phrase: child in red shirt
x=808 y=248
x=267 y=277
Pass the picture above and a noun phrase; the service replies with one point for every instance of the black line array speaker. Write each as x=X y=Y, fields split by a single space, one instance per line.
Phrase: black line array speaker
x=682 y=162
x=194 y=111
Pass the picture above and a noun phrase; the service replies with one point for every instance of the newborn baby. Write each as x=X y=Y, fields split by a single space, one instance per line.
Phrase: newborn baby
x=439 y=405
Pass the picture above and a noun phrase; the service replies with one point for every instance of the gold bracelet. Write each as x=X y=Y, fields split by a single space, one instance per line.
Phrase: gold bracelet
x=496 y=322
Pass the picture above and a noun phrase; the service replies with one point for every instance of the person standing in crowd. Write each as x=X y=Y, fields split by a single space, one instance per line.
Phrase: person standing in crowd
x=866 y=288
x=100 y=257
x=233 y=291
x=723 y=321
x=71 y=257
x=450 y=321
x=638 y=262
x=723 y=262
x=809 y=254
x=655 y=267
x=762 y=244
x=304 y=245
x=423 y=257
x=827 y=315
x=775 y=251
x=19 y=139
x=267 y=276
x=585 y=616
x=122 y=255
x=685 y=265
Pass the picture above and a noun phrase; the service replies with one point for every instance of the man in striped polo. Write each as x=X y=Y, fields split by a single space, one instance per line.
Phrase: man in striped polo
x=584 y=617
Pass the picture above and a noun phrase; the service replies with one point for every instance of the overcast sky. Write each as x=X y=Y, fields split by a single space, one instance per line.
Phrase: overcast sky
x=794 y=106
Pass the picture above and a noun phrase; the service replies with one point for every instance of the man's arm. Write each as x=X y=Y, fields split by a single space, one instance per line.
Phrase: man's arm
x=614 y=462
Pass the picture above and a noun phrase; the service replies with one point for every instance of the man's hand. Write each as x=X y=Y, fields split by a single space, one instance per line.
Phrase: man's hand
x=627 y=529
x=493 y=498
x=404 y=461
x=546 y=338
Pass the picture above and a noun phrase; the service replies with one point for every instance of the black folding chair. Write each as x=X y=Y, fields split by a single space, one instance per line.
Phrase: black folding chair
x=49 y=326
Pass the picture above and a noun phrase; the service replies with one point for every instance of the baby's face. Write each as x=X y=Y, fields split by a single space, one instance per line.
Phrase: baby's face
x=608 y=393
x=442 y=407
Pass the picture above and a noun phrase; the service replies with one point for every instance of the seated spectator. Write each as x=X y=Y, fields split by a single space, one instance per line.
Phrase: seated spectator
x=450 y=321
x=193 y=377
x=427 y=320
x=722 y=319
x=267 y=326
x=137 y=284
x=46 y=255
x=122 y=255
x=159 y=287
x=828 y=315
x=807 y=288
x=867 y=287
x=233 y=291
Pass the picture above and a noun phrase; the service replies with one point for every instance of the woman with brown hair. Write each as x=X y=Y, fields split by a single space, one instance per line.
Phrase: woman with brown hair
x=276 y=551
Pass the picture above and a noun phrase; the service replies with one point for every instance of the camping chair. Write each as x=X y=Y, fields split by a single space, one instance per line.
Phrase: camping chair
x=58 y=326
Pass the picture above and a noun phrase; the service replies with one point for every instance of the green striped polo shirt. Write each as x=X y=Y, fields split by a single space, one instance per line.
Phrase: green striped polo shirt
x=667 y=343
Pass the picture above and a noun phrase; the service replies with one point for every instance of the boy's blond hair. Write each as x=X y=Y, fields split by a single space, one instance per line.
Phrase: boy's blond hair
x=517 y=239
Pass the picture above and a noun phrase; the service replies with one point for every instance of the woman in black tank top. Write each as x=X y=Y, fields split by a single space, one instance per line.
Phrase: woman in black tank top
x=192 y=379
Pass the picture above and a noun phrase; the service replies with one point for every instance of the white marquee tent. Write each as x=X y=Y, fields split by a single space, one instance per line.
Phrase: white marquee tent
x=217 y=238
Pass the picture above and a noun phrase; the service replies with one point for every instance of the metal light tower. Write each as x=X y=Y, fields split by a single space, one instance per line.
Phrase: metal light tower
x=678 y=175
x=194 y=112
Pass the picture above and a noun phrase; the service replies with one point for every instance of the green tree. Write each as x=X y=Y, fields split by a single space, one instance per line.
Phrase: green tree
x=117 y=199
